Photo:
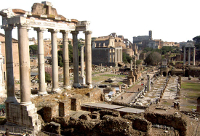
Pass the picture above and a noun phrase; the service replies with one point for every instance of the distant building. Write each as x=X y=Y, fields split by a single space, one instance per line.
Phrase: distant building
x=15 y=57
x=107 y=50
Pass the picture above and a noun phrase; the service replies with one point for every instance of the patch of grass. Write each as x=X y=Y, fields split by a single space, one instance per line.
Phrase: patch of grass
x=191 y=86
x=111 y=75
x=191 y=107
x=167 y=103
x=98 y=78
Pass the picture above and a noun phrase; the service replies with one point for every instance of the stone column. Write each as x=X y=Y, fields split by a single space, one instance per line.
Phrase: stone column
x=82 y=77
x=184 y=55
x=189 y=56
x=66 y=60
x=119 y=60
x=41 y=65
x=148 y=83
x=24 y=62
x=9 y=65
x=121 y=55
x=88 y=53
x=194 y=56
x=75 y=59
x=131 y=68
x=55 y=86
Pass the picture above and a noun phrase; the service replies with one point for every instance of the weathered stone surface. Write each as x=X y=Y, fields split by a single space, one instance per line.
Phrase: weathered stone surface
x=177 y=123
x=109 y=112
x=53 y=127
x=139 y=123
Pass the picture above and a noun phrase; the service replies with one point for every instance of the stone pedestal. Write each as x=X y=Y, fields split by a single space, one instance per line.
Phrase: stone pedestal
x=23 y=115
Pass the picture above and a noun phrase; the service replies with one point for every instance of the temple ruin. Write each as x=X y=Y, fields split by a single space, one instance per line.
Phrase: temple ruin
x=42 y=17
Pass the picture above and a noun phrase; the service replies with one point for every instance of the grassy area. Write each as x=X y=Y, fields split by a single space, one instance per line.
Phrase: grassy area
x=111 y=75
x=98 y=78
x=191 y=86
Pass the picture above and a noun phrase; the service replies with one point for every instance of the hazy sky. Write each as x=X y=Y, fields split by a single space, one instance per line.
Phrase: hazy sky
x=169 y=20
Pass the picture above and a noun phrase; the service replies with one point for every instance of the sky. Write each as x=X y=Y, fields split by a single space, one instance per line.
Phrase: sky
x=169 y=20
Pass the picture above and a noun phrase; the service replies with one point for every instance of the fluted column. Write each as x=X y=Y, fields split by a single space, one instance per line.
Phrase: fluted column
x=194 y=56
x=24 y=62
x=88 y=53
x=66 y=60
x=75 y=59
x=189 y=56
x=41 y=65
x=55 y=86
x=9 y=65
x=184 y=55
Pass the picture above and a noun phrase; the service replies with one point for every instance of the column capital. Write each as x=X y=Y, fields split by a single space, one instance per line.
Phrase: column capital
x=65 y=31
x=40 y=29
x=87 y=32
x=7 y=27
x=53 y=30
x=74 y=32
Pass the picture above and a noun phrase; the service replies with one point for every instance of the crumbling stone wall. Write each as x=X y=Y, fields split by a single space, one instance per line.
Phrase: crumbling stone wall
x=139 y=123
x=177 y=122
x=49 y=112
x=109 y=124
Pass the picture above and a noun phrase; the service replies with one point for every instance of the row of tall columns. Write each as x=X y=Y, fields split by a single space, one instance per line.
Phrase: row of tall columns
x=184 y=55
x=24 y=60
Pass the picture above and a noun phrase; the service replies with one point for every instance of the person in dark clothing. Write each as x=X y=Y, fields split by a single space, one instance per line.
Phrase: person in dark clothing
x=7 y=132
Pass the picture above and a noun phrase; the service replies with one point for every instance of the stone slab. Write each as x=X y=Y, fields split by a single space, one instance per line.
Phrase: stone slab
x=102 y=105
x=130 y=110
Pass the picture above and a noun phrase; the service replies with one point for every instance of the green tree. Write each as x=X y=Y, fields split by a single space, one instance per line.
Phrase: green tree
x=153 y=58
x=126 y=58
x=197 y=42
x=47 y=77
x=33 y=49
x=60 y=58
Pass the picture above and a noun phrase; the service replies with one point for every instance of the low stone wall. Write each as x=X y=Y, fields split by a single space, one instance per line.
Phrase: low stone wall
x=177 y=122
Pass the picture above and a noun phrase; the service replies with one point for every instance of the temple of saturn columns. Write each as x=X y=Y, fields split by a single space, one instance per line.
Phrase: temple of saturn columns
x=42 y=17
x=189 y=46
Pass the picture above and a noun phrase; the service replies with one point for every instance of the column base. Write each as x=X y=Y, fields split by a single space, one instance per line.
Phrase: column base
x=82 y=80
x=25 y=103
x=42 y=93
x=68 y=87
x=56 y=90
x=90 y=86
x=76 y=85
x=11 y=100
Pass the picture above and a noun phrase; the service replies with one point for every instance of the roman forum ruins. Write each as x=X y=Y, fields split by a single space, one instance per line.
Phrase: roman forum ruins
x=42 y=17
